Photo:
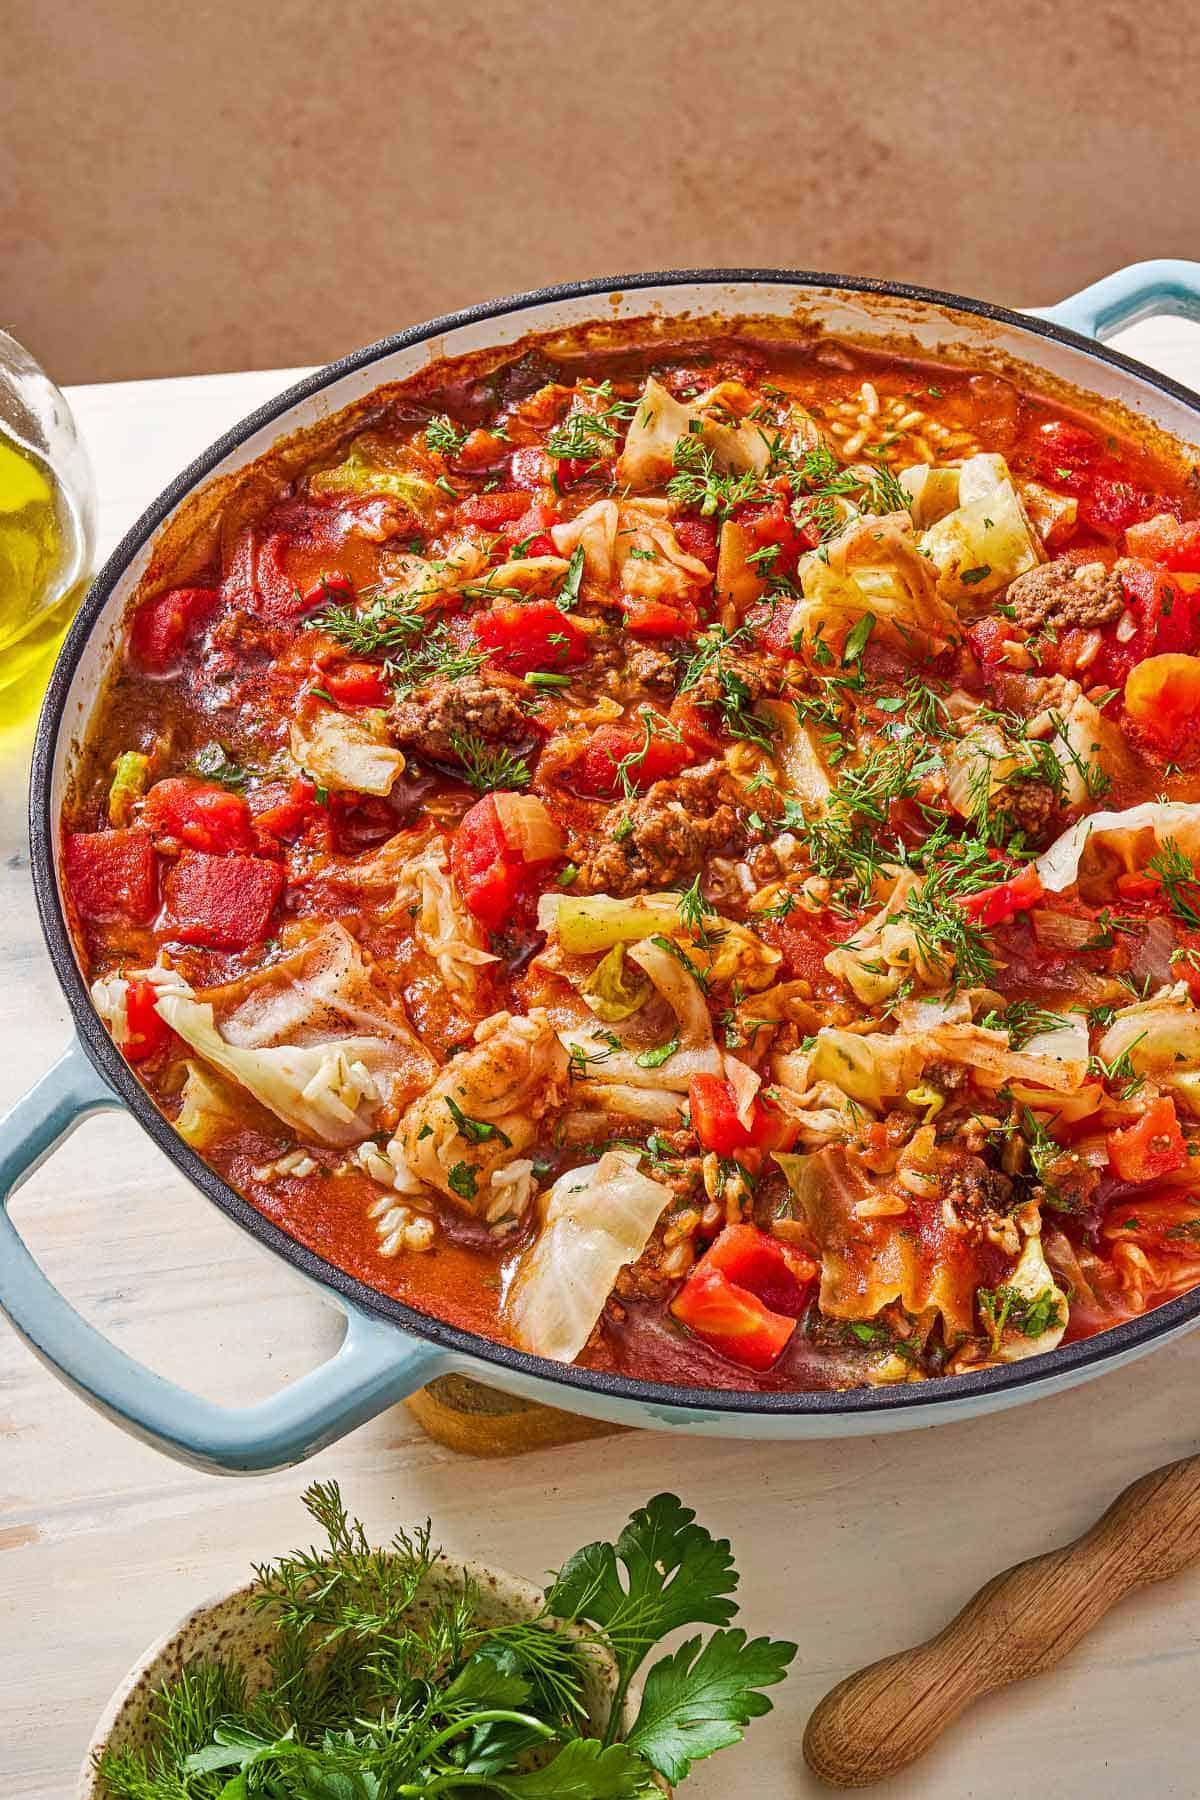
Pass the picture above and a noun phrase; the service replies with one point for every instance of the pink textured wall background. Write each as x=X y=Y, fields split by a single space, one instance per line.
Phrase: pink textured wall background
x=228 y=184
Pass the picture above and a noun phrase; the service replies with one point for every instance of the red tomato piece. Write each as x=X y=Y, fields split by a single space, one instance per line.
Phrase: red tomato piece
x=1165 y=622
x=696 y=723
x=112 y=874
x=332 y=589
x=714 y=1115
x=220 y=902
x=1140 y=885
x=571 y=469
x=770 y=627
x=198 y=814
x=715 y=1120
x=697 y=537
x=645 y=761
x=987 y=639
x=731 y=1320
x=533 y=526
x=288 y=817
x=163 y=627
x=1111 y=505
x=1164 y=539
x=656 y=618
x=355 y=684
x=775 y=1273
x=1064 y=453
x=1151 y=1148
x=495 y=881
x=537 y=635
x=997 y=905
x=145 y=1032
x=491 y=510
x=804 y=949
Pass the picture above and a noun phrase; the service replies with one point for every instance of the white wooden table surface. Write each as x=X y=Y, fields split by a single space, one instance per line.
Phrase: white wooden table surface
x=853 y=1547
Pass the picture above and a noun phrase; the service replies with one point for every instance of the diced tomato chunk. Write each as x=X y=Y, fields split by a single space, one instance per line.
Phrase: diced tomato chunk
x=1140 y=885
x=1165 y=539
x=493 y=877
x=287 y=817
x=1065 y=452
x=658 y=618
x=112 y=874
x=483 y=866
x=696 y=720
x=536 y=635
x=1151 y=1148
x=198 y=814
x=619 y=753
x=221 y=902
x=997 y=905
x=714 y=1115
x=697 y=537
x=731 y=1320
x=1111 y=505
x=145 y=1031
x=532 y=526
x=715 y=1120
x=491 y=510
x=163 y=627
x=987 y=639
x=332 y=588
x=775 y=1273
x=355 y=684
x=770 y=626
x=1165 y=616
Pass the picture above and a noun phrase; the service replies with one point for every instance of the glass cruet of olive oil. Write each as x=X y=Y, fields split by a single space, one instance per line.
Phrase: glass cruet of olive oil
x=47 y=527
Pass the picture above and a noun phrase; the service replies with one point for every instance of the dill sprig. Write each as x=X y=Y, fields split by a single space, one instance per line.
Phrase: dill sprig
x=488 y=768
x=385 y=624
x=444 y=436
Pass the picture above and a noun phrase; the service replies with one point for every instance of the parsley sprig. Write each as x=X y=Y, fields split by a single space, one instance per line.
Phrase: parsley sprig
x=368 y=1695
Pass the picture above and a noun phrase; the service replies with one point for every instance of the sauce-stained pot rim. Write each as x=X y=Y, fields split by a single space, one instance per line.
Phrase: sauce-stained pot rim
x=946 y=1396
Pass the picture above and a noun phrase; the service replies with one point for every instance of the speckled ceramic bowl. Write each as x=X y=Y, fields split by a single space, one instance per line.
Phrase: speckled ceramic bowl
x=229 y=1627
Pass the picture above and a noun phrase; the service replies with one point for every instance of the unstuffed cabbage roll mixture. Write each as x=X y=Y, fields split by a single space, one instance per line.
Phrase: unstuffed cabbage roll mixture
x=681 y=860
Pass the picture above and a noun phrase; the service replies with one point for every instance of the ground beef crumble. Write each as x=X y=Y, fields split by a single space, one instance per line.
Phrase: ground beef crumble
x=1059 y=595
x=665 y=836
x=428 y=720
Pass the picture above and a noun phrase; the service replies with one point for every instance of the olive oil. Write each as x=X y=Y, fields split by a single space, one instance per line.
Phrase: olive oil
x=40 y=569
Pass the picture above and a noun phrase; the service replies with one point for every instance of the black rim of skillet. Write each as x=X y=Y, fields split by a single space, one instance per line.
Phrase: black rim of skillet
x=942 y=1396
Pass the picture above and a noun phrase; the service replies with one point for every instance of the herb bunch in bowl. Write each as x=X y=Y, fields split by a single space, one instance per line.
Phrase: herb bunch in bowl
x=384 y=1682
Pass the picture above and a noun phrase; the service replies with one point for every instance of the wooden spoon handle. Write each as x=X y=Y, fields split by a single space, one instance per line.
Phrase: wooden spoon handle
x=1023 y=1622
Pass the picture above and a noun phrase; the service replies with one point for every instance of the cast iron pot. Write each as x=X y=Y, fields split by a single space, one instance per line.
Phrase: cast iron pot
x=389 y=1349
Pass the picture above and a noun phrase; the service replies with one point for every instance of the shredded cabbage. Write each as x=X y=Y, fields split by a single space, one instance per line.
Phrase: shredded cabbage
x=1115 y=839
x=611 y=992
x=874 y=566
x=598 y=1219
x=980 y=547
x=648 y=457
x=372 y=467
x=327 y=1091
x=348 y=752
x=484 y=1109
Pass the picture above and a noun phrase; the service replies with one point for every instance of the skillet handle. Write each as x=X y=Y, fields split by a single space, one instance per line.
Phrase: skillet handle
x=374 y=1366
x=1144 y=290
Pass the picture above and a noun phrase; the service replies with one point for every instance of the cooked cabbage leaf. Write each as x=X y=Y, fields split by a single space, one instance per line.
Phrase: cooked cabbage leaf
x=598 y=1218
